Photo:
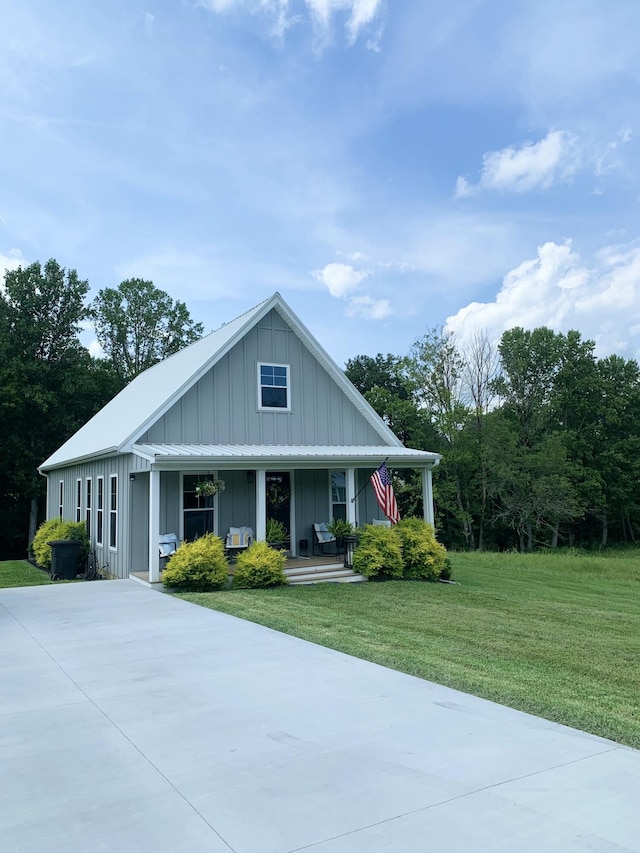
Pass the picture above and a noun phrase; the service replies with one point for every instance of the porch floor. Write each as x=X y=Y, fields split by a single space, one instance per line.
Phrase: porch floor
x=299 y=570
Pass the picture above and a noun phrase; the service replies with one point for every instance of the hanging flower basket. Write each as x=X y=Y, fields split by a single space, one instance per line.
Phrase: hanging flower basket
x=208 y=488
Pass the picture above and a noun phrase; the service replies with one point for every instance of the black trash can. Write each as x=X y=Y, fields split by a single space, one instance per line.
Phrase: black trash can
x=65 y=556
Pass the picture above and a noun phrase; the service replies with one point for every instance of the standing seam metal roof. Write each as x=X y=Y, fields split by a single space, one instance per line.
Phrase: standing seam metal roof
x=154 y=391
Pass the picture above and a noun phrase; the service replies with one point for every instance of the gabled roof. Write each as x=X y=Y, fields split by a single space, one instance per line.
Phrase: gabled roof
x=152 y=393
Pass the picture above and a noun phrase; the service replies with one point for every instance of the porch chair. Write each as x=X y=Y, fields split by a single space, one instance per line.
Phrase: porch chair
x=238 y=539
x=322 y=537
x=168 y=545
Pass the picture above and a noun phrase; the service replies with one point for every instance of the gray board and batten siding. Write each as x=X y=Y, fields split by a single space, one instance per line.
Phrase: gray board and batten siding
x=222 y=407
x=115 y=560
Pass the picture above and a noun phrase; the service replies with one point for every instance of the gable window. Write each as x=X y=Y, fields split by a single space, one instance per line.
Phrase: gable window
x=61 y=499
x=87 y=506
x=113 y=511
x=338 y=495
x=78 y=500
x=99 y=511
x=273 y=387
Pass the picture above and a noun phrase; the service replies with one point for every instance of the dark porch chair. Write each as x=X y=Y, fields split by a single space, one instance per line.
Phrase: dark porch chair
x=322 y=538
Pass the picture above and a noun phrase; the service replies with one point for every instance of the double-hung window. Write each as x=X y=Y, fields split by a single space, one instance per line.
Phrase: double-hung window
x=61 y=499
x=87 y=506
x=100 y=511
x=78 y=500
x=273 y=387
x=113 y=511
x=338 y=495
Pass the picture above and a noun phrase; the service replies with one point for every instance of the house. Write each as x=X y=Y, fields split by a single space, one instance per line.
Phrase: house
x=258 y=404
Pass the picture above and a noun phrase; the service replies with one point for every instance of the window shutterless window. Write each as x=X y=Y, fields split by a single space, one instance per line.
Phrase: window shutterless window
x=99 y=511
x=273 y=387
x=338 y=495
x=78 y=500
x=113 y=511
x=87 y=507
x=197 y=512
x=61 y=499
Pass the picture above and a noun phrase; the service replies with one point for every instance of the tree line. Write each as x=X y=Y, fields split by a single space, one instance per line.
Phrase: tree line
x=49 y=382
x=540 y=439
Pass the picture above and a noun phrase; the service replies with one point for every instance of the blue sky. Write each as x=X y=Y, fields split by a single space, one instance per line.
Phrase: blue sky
x=387 y=166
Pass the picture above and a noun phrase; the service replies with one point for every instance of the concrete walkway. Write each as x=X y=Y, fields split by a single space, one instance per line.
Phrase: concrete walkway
x=131 y=721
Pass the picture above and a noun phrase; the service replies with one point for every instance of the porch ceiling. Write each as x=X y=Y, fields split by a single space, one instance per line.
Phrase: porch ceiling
x=168 y=456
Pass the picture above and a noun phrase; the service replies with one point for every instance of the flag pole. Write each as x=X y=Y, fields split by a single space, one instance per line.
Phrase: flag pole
x=353 y=499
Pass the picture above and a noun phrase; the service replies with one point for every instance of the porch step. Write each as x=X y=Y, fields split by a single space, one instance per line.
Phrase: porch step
x=322 y=574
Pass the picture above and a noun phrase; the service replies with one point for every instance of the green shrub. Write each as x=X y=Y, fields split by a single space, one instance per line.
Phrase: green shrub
x=341 y=528
x=378 y=553
x=198 y=566
x=424 y=557
x=259 y=566
x=276 y=532
x=58 y=528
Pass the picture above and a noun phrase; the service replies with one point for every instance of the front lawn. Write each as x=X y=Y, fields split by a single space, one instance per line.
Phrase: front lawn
x=21 y=573
x=555 y=635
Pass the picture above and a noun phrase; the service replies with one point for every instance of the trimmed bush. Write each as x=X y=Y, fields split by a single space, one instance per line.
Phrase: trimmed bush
x=57 y=528
x=199 y=566
x=378 y=553
x=259 y=566
x=424 y=557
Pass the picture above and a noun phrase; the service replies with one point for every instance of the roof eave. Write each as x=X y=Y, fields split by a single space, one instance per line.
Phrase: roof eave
x=76 y=460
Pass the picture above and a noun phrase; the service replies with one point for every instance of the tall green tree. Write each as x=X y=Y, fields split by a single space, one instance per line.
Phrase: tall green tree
x=138 y=325
x=436 y=368
x=617 y=446
x=44 y=378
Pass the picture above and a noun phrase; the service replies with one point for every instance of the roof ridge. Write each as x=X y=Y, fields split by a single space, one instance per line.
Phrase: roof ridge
x=244 y=313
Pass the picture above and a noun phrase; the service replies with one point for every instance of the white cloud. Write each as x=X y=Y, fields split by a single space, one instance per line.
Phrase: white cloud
x=531 y=166
x=369 y=308
x=339 y=279
x=560 y=290
x=361 y=13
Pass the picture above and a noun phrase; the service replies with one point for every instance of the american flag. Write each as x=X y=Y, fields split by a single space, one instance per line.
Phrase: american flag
x=381 y=482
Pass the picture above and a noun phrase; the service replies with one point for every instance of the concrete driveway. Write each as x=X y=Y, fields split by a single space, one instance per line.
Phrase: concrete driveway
x=131 y=721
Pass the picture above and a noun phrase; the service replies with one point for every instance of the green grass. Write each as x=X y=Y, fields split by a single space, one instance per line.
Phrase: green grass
x=555 y=635
x=20 y=573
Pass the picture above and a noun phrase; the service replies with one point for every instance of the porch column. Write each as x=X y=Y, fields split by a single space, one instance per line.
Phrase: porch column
x=427 y=495
x=350 y=483
x=154 y=526
x=261 y=505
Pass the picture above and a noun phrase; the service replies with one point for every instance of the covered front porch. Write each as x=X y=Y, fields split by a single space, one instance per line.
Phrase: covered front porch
x=299 y=571
x=298 y=486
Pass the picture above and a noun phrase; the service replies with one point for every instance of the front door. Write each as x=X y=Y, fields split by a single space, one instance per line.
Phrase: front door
x=278 y=485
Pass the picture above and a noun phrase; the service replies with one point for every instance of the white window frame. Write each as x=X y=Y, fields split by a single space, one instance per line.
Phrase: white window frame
x=113 y=512
x=262 y=408
x=61 y=499
x=213 y=507
x=78 y=500
x=333 y=503
x=100 y=511
x=88 y=498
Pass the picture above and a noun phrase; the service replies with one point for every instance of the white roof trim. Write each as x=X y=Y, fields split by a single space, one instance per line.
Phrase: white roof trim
x=309 y=456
